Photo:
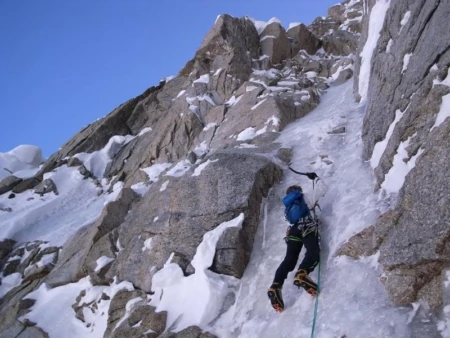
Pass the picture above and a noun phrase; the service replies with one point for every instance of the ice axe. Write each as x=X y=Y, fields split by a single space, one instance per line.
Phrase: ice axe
x=311 y=176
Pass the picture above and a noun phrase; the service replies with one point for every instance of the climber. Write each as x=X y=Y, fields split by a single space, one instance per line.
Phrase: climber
x=300 y=212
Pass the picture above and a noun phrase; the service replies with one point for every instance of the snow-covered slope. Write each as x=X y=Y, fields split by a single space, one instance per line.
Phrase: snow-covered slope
x=23 y=161
x=53 y=218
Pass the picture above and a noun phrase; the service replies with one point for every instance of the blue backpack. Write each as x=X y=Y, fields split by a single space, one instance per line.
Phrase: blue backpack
x=296 y=207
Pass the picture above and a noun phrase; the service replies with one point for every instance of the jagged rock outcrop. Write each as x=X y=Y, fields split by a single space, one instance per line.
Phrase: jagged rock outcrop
x=27 y=183
x=190 y=206
x=409 y=85
x=302 y=38
x=45 y=187
x=32 y=262
x=340 y=43
x=8 y=183
x=275 y=43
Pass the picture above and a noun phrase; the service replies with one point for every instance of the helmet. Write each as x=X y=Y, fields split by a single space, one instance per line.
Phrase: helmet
x=292 y=188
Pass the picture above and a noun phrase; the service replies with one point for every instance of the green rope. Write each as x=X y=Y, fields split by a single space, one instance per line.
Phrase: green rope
x=316 y=303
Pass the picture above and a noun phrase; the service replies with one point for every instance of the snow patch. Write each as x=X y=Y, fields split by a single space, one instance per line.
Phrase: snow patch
x=260 y=26
x=10 y=282
x=246 y=146
x=250 y=88
x=203 y=79
x=272 y=73
x=147 y=244
x=267 y=37
x=140 y=188
x=179 y=169
x=233 y=100
x=24 y=158
x=181 y=93
x=444 y=111
x=206 y=98
x=258 y=104
x=153 y=172
x=294 y=24
x=209 y=126
x=406 y=59
x=287 y=83
x=202 y=149
x=202 y=166
x=405 y=19
x=274 y=19
x=445 y=82
x=246 y=134
x=396 y=176
x=144 y=131
x=164 y=186
x=380 y=147
x=311 y=75
x=389 y=45
x=102 y=262
x=274 y=120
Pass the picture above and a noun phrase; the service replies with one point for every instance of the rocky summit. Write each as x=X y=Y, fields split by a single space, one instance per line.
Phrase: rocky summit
x=163 y=219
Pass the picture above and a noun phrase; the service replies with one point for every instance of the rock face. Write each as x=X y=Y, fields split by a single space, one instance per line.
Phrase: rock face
x=361 y=244
x=203 y=146
x=28 y=183
x=191 y=206
x=409 y=83
x=8 y=183
x=45 y=187
x=275 y=43
x=340 y=43
x=302 y=38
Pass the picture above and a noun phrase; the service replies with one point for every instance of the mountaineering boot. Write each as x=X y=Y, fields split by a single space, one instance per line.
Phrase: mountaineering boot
x=302 y=280
x=276 y=298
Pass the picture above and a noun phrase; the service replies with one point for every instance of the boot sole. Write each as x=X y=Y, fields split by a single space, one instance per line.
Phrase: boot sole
x=309 y=288
x=274 y=301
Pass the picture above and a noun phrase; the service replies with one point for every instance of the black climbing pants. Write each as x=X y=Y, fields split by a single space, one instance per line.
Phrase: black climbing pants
x=307 y=237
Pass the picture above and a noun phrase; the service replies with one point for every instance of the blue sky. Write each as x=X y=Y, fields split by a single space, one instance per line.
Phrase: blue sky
x=63 y=64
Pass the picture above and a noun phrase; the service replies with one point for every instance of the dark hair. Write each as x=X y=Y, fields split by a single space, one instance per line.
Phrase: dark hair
x=292 y=188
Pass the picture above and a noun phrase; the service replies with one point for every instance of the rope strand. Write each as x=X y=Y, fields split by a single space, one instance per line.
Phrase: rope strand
x=316 y=306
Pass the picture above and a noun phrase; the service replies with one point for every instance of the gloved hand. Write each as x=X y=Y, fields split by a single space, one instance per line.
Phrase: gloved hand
x=311 y=176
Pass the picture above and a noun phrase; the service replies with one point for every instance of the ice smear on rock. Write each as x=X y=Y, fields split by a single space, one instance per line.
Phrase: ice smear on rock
x=376 y=22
